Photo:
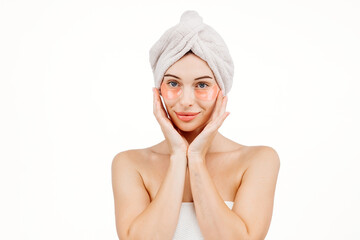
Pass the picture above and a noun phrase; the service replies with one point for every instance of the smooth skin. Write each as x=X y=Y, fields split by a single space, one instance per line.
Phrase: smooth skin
x=152 y=183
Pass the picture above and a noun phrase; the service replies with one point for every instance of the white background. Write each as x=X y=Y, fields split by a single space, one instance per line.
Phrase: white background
x=76 y=90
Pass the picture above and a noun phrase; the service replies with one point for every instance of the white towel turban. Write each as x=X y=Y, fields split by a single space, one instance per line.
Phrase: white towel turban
x=192 y=34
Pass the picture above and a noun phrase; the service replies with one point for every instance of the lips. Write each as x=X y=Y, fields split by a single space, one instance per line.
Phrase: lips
x=187 y=113
x=186 y=116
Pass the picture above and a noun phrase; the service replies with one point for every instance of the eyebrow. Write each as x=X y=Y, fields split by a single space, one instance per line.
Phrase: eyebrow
x=170 y=75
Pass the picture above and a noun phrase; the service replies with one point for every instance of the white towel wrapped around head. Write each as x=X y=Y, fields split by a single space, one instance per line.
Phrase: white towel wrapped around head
x=192 y=34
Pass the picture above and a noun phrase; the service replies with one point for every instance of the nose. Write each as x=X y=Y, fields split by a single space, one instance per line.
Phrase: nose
x=187 y=97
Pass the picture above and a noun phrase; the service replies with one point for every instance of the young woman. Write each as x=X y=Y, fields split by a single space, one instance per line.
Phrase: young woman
x=196 y=183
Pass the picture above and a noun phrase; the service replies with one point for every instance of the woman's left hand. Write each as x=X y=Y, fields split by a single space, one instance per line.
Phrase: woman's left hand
x=200 y=145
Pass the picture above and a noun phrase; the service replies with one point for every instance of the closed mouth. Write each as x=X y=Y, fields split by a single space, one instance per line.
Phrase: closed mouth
x=188 y=117
x=187 y=113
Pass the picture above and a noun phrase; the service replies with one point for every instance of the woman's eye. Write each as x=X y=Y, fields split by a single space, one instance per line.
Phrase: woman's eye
x=203 y=84
x=172 y=85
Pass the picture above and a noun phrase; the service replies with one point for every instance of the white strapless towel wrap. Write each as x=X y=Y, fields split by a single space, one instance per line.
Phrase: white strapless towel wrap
x=188 y=226
x=192 y=34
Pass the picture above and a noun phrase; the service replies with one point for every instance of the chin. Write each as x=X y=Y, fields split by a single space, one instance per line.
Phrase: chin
x=187 y=128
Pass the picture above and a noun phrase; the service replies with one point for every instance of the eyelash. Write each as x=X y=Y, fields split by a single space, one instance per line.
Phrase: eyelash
x=207 y=85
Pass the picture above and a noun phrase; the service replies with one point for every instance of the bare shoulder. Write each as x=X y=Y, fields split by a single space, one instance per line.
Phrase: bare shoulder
x=132 y=158
x=269 y=153
x=263 y=157
x=260 y=155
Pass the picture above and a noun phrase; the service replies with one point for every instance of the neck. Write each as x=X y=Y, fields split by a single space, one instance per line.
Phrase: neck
x=190 y=136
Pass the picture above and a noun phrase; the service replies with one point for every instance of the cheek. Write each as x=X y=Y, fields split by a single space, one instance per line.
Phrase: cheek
x=169 y=93
x=207 y=95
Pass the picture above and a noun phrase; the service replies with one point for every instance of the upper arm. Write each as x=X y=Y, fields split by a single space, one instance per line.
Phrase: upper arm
x=130 y=195
x=255 y=196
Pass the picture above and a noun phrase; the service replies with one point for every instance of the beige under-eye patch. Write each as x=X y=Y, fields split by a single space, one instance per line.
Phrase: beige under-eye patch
x=169 y=92
x=207 y=94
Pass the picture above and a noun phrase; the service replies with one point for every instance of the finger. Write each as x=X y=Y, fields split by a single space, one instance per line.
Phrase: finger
x=155 y=106
x=220 y=120
x=154 y=102
x=218 y=103
x=222 y=109
x=223 y=106
x=161 y=107
x=163 y=118
x=157 y=110
x=219 y=106
x=216 y=108
x=224 y=116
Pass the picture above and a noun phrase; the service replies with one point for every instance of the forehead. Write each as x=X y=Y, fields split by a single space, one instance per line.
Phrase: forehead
x=190 y=67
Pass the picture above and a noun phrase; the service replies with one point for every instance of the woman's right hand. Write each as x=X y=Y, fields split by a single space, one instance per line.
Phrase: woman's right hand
x=177 y=143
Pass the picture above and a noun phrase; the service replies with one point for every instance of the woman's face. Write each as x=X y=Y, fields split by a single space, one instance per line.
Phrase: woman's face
x=189 y=86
